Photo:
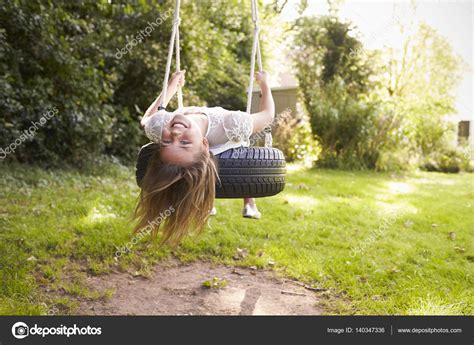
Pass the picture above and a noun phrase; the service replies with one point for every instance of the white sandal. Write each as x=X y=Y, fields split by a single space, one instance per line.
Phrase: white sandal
x=251 y=211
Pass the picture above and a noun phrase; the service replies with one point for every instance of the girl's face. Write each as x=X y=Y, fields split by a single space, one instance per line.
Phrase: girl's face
x=181 y=141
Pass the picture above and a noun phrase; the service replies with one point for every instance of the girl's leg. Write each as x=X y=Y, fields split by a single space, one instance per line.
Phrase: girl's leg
x=250 y=209
x=249 y=201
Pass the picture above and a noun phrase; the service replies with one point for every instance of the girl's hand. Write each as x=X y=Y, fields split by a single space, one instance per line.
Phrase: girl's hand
x=261 y=78
x=177 y=79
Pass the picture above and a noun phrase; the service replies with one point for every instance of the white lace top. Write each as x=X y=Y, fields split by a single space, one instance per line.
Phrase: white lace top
x=226 y=129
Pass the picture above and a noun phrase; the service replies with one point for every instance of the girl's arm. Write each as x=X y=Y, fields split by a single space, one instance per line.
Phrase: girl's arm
x=266 y=112
x=176 y=80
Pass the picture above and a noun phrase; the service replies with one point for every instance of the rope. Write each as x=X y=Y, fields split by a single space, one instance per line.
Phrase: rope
x=256 y=54
x=178 y=68
x=174 y=37
x=255 y=51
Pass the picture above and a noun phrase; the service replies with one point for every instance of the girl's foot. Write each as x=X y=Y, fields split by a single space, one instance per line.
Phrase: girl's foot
x=213 y=212
x=251 y=211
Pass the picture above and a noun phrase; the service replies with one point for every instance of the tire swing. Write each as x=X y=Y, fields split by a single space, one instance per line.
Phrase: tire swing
x=244 y=172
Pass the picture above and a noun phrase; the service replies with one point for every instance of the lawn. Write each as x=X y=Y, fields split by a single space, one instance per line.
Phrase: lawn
x=379 y=243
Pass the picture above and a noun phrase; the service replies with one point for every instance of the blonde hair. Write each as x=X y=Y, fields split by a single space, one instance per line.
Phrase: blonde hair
x=188 y=191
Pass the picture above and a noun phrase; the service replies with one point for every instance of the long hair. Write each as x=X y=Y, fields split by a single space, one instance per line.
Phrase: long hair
x=176 y=199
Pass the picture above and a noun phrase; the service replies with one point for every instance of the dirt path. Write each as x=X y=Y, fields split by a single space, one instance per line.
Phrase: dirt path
x=176 y=289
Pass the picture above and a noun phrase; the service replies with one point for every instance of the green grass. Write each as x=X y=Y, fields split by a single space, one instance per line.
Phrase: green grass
x=59 y=226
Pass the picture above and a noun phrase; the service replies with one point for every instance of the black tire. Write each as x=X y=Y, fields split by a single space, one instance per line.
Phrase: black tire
x=144 y=155
x=251 y=172
x=244 y=172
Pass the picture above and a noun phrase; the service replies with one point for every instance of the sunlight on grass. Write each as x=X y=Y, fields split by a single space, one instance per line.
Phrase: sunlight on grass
x=438 y=181
x=99 y=214
x=399 y=208
x=300 y=201
x=434 y=307
x=400 y=187
x=293 y=168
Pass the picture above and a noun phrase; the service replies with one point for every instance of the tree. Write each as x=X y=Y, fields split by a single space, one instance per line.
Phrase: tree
x=421 y=81
x=335 y=83
x=92 y=61
x=382 y=109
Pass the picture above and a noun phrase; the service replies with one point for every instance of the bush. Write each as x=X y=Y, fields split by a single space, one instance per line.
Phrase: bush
x=302 y=147
x=448 y=159
x=66 y=55
x=365 y=112
x=335 y=83
x=292 y=135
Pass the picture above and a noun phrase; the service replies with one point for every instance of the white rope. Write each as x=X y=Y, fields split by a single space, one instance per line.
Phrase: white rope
x=252 y=69
x=178 y=68
x=256 y=54
x=174 y=36
x=255 y=51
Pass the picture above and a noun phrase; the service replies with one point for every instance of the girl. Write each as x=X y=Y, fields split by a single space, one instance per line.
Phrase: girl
x=182 y=173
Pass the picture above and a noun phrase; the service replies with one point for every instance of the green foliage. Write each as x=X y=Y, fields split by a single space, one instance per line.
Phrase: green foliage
x=302 y=147
x=292 y=135
x=381 y=110
x=449 y=159
x=417 y=88
x=43 y=67
x=334 y=83
x=93 y=62
x=325 y=48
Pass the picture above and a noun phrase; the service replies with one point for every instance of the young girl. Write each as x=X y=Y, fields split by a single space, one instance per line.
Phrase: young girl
x=182 y=173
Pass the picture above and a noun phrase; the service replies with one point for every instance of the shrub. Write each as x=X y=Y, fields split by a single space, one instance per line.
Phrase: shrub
x=302 y=147
x=334 y=83
x=292 y=134
x=66 y=55
x=448 y=159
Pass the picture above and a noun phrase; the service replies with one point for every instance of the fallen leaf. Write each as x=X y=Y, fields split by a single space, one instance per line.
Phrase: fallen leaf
x=241 y=254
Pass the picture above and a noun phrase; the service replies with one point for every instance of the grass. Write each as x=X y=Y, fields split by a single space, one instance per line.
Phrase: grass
x=380 y=244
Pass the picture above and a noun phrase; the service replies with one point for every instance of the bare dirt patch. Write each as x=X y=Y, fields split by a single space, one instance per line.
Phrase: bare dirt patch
x=176 y=289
